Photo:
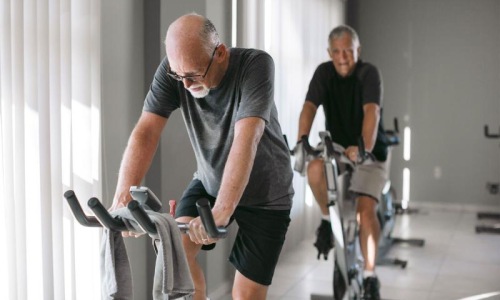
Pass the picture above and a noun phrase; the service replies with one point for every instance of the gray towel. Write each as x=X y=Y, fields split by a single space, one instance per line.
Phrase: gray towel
x=172 y=275
x=115 y=267
x=172 y=278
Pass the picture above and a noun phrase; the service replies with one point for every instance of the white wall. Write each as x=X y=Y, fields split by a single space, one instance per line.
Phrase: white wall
x=441 y=68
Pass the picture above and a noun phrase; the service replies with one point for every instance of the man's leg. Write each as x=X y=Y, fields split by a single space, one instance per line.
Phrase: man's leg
x=369 y=230
x=317 y=181
x=185 y=212
x=191 y=250
x=256 y=250
x=246 y=289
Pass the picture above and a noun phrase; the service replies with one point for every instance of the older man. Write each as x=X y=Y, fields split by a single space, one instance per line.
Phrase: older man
x=350 y=91
x=243 y=165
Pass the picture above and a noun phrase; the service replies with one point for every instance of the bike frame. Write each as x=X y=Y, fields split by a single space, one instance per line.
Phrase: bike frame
x=344 y=226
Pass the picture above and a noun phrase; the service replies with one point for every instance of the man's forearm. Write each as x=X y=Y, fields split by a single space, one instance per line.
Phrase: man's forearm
x=135 y=163
x=238 y=166
x=138 y=154
x=370 y=125
x=306 y=119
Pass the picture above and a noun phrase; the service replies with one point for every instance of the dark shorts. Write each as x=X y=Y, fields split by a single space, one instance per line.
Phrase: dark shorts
x=260 y=236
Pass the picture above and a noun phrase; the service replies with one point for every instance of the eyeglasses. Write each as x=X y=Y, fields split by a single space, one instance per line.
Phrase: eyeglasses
x=193 y=78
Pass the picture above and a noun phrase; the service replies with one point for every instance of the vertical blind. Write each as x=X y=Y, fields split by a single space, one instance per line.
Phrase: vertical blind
x=295 y=34
x=49 y=143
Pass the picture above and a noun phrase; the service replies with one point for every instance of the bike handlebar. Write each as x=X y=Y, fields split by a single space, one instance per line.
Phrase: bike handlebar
x=489 y=135
x=104 y=218
x=110 y=222
x=208 y=221
x=333 y=148
x=78 y=212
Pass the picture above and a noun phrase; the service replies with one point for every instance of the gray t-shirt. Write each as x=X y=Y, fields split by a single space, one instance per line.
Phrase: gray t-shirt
x=246 y=90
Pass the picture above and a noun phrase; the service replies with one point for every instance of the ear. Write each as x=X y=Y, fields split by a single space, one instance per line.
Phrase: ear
x=221 y=53
x=359 y=50
x=329 y=52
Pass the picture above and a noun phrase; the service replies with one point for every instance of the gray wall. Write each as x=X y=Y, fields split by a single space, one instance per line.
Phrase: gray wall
x=441 y=68
x=121 y=102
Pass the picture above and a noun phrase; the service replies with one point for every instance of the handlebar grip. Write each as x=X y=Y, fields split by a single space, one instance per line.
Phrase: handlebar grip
x=141 y=217
x=490 y=135
x=183 y=227
x=329 y=146
x=104 y=217
x=305 y=142
x=207 y=218
x=77 y=211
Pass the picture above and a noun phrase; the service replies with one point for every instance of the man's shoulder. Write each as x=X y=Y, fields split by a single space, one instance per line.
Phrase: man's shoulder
x=326 y=66
x=248 y=52
x=325 y=70
x=365 y=69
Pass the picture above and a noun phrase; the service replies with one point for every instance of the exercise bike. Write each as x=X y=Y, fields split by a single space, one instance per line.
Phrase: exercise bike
x=387 y=210
x=493 y=188
x=348 y=265
x=348 y=260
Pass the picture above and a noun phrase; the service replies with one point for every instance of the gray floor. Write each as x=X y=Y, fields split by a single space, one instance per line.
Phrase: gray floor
x=455 y=263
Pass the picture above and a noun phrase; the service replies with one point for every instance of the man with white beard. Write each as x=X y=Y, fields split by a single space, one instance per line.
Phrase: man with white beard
x=226 y=96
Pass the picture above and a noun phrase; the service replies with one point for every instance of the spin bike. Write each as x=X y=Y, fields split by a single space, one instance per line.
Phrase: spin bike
x=348 y=260
x=387 y=210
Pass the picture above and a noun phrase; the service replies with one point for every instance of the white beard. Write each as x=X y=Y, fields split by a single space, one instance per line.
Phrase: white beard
x=200 y=94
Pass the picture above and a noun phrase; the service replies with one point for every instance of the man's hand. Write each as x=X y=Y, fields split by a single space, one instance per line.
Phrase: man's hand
x=197 y=232
x=117 y=205
x=352 y=152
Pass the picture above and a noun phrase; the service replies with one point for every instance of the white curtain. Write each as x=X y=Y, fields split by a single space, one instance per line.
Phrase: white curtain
x=295 y=33
x=49 y=143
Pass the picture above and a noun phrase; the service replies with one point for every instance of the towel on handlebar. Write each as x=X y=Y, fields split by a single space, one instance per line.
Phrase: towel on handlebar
x=172 y=278
x=115 y=267
x=172 y=275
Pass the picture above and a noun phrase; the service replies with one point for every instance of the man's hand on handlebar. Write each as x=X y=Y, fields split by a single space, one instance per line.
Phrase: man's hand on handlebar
x=352 y=152
x=197 y=232
x=117 y=204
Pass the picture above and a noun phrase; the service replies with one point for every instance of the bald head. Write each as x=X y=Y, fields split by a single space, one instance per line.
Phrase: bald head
x=191 y=33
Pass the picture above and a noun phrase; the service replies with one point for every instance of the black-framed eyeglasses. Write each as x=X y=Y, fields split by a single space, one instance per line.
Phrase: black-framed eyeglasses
x=193 y=77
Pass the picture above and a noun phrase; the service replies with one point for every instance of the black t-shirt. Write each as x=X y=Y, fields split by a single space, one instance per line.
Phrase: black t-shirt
x=343 y=99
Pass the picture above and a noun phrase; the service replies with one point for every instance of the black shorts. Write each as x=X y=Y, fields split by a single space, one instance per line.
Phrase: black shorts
x=260 y=236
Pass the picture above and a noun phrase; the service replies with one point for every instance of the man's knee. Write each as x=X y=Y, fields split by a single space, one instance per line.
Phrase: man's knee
x=367 y=208
x=315 y=172
x=247 y=289
x=191 y=249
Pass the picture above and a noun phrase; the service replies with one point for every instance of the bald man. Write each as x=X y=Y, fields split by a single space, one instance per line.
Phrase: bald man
x=226 y=97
